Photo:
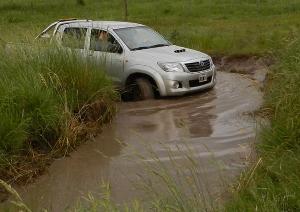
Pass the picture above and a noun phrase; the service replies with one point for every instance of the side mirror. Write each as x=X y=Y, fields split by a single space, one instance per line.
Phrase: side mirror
x=120 y=50
x=46 y=36
x=115 y=48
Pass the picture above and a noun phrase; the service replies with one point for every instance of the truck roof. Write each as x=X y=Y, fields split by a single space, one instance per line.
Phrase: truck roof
x=102 y=24
x=89 y=23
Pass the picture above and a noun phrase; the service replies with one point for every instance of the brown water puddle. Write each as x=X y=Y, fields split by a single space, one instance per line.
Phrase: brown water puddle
x=210 y=122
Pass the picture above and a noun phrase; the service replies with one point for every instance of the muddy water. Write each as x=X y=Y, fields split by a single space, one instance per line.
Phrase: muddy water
x=211 y=123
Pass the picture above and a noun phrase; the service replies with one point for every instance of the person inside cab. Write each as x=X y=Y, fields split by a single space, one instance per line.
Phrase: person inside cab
x=102 y=41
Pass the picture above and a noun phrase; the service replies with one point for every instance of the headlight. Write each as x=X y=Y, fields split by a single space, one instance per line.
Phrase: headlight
x=171 y=67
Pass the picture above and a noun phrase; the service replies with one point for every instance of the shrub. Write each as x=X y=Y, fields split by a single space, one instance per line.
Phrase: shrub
x=41 y=89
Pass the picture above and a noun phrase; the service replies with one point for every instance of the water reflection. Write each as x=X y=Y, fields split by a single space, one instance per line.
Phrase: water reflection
x=171 y=118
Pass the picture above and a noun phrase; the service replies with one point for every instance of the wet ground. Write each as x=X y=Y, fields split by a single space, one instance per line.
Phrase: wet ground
x=213 y=124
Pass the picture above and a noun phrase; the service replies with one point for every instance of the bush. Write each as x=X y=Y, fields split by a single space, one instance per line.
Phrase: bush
x=275 y=183
x=41 y=89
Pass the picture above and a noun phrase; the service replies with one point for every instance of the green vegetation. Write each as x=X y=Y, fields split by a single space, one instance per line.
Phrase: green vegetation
x=219 y=27
x=47 y=99
x=224 y=27
x=273 y=184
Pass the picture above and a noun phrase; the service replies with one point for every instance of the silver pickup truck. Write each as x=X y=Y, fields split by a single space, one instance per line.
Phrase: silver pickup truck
x=137 y=58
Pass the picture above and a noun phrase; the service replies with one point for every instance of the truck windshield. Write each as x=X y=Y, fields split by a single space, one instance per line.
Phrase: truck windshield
x=137 y=38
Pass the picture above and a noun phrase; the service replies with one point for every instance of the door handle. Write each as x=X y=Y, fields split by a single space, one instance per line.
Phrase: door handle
x=90 y=52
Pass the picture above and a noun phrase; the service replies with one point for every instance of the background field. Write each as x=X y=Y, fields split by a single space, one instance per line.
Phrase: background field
x=214 y=26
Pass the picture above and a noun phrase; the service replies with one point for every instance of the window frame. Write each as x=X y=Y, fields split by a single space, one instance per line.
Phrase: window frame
x=110 y=33
x=62 y=32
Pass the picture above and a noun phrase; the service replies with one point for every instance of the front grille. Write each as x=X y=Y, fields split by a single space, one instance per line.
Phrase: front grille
x=198 y=66
x=196 y=83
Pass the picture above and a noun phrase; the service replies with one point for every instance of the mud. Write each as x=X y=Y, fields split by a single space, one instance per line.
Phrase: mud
x=213 y=124
x=243 y=64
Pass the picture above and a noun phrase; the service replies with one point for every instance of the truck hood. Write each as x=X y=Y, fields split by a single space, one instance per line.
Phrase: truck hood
x=171 y=53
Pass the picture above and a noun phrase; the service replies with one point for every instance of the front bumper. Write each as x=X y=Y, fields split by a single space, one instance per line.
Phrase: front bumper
x=189 y=82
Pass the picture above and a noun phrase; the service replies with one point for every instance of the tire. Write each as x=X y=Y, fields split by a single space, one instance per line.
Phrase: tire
x=144 y=89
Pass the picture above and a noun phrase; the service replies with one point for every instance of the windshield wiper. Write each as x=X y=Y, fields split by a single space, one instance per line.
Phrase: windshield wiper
x=139 y=48
x=149 y=47
x=158 y=45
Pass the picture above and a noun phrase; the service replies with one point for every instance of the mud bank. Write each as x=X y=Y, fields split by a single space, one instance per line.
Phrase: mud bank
x=242 y=64
x=212 y=123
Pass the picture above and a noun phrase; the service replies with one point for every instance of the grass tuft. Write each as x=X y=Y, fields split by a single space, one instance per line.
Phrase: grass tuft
x=273 y=184
x=50 y=100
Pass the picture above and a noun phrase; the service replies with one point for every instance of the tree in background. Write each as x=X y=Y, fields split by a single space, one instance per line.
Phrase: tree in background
x=80 y=2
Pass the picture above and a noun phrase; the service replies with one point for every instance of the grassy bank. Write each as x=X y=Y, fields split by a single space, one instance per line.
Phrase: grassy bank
x=273 y=183
x=49 y=101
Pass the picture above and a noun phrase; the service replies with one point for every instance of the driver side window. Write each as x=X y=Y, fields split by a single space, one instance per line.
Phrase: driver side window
x=104 y=42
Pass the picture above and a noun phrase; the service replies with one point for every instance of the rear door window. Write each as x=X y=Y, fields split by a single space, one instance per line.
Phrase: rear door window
x=74 y=37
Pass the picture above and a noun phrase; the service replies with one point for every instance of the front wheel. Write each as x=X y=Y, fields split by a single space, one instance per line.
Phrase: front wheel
x=143 y=89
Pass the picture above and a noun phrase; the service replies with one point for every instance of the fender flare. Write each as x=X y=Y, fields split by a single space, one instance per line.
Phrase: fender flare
x=148 y=71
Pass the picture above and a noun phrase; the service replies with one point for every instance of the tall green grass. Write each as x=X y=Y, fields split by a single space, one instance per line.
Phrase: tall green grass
x=274 y=183
x=46 y=97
